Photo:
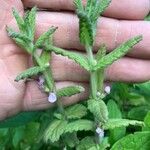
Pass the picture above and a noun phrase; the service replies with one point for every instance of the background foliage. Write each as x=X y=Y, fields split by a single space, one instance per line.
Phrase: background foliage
x=130 y=101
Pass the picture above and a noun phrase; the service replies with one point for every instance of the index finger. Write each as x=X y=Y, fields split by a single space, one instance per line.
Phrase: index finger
x=120 y=9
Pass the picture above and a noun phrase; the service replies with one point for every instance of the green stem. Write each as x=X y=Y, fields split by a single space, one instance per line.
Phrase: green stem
x=93 y=77
x=50 y=83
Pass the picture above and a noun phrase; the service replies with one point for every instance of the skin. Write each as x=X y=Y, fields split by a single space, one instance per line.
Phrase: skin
x=121 y=21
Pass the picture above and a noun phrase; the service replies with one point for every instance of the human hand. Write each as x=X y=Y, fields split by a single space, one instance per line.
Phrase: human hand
x=135 y=67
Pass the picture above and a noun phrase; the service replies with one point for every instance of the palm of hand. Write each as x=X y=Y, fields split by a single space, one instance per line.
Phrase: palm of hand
x=12 y=61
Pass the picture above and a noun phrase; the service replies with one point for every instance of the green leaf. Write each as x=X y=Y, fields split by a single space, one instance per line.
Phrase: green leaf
x=136 y=99
x=19 y=20
x=31 y=20
x=138 y=113
x=20 y=119
x=136 y=141
x=70 y=139
x=69 y=91
x=117 y=53
x=45 y=36
x=76 y=111
x=114 y=112
x=55 y=130
x=147 y=122
x=87 y=143
x=99 y=109
x=18 y=136
x=14 y=35
x=79 y=125
x=99 y=8
x=113 y=109
x=30 y=73
x=78 y=58
x=85 y=29
x=115 y=123
x=78 y=4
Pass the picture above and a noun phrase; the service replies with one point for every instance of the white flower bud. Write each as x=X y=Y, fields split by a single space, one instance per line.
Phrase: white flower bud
x=100 y=132
x=107 y=89
x=52 y=98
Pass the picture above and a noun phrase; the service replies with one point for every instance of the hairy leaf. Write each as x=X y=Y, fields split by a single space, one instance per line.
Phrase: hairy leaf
x=86 y=30
x=136 y=141
x=117 y=53
x=114 y=123
x=69 y=91
x=17 y=35
x=55 y=130
x=78 y=4
x=19 y=20
x=79 y=125
x=99 y=8
x=45 y=36
x=76 y=112
x=31 y=20
x=99 y=109
x=30 y=72
x=78 y=58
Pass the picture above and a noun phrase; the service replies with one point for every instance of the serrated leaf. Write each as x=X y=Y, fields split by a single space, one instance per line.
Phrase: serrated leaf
x=69 y=91
x=79 y=125
x=24 y=45
x=20 y=119
x=55 y=130
x=76 y=112
x=14 y=35
x=136 y=141
x=78 y=58
x=117 y=53
x=115 y=123
x=99 y=8
x=31 y=20
x=85 y=29
x=30 y=73
x=99 y=109
x=19 y=20
x=45 y=36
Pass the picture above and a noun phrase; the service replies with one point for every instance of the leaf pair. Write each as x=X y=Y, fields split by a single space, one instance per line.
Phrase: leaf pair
x=88 y=17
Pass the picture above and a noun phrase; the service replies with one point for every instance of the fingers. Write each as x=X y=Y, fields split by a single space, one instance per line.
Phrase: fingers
x=110 y=31
x=125 y=69
x=34 y=99
x=123 y=9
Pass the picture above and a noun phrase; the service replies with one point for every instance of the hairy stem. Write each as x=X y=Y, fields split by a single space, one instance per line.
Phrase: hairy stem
x=50 y=83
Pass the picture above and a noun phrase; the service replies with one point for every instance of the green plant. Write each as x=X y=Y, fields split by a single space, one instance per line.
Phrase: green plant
x=93 y=118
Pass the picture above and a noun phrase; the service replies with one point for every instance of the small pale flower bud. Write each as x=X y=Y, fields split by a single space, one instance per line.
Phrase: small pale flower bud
x=98 y=94
x=100 y=132
x=52 y=98
x=107 y=89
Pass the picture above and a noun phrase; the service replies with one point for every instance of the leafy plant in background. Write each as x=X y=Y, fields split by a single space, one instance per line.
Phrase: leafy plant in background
x=97 y=123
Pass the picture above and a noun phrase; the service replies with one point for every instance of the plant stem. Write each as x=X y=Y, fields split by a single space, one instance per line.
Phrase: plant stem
x=93 y=77
x=50 y=83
